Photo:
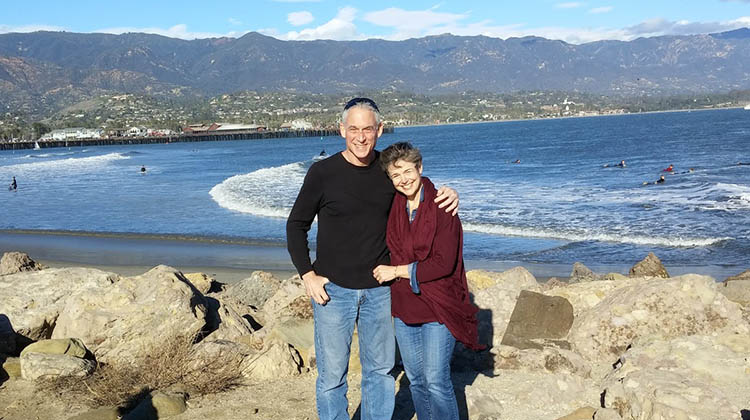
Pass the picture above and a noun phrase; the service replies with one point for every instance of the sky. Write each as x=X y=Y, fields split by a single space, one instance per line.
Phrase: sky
x=575 y=22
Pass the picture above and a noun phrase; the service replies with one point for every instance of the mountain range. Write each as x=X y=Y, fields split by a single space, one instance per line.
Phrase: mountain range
x=43 y=70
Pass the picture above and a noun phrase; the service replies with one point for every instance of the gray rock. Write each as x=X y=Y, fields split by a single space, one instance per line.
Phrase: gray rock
x=745 y=275
x=581 y=273
x=255 y=290
x=43 y=366
x=16 y=262
x=737 y=290
x=538 y=318
x=650 y=266
x=159 y=405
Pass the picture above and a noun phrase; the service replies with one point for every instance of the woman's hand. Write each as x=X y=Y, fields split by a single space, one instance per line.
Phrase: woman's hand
x=385 y=273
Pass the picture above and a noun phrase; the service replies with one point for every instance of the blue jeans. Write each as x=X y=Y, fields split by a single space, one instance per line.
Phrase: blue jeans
x=370 y=310
x=426 y=351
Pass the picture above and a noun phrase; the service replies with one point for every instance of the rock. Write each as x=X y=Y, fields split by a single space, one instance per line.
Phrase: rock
x=300 y=333
x=7 y=336
x=255 y=290
x=737 y=288
x=16 y=262
x=553 y=282
x=127 y=320
x=12 y=367
x=549 y=359
x=537 y=318
x=223 y=322
x=289 y=302
x=67 y=346
x=45 y=366
x=651 y=266
x=159 y=405
x=581 y=273
x=614 y=277
x=496 y=301
x=33 y=300
x=606 y=414
x=481 y=279
x=702 y=377
x=583 y=413
x=102 y=413
x=276 y=360
x=201 y=281
x=653 y=309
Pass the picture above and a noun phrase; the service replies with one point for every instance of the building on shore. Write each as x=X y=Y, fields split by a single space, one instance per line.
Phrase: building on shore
x=221 y=127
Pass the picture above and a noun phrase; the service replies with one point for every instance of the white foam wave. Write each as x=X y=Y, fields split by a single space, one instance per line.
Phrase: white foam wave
x=64 y=165
x=676 y=242
x=267 y=192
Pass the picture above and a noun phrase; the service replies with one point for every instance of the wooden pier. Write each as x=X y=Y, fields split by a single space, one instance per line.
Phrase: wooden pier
x=182 y=138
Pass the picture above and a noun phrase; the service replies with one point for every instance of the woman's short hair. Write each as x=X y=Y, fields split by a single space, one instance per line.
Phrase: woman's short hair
x=402 y=150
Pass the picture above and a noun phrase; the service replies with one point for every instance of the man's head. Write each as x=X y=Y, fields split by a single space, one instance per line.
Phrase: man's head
x=361 y=127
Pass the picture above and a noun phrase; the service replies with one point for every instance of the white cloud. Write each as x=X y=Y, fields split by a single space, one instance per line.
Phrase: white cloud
x=598 y=10
x=340 y=28
x=4 y=29
x=569 y=5
x=658 y=27
x=297 y=1
x=177 y=31
x=299 y=18
x=412 y=23
x=234 y=21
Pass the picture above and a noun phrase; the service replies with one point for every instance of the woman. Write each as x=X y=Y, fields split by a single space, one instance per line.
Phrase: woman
x=430 y=297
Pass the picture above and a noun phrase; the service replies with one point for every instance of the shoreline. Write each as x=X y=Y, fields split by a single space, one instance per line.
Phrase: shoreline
x=229 y=260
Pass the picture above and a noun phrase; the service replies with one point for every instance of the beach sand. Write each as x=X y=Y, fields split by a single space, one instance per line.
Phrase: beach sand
x=229 y=261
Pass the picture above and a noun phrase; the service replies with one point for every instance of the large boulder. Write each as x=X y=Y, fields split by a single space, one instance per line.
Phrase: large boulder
x=223 y=322
x=538 y=319
x=33 y=300
x=255 y=290
x=581 y=273
x=495 y=294
x=653 y=309
x=737 y=288
x=133 y=316
x=702 y=377
x=47 y=366
x=650 y=266
x=67 y=346
x=16 y=262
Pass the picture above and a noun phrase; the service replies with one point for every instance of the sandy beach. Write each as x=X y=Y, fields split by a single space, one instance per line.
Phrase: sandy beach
x=228 y=261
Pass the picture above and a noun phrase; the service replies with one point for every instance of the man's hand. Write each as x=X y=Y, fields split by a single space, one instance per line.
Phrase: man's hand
x=315 y=287
x=447 y=197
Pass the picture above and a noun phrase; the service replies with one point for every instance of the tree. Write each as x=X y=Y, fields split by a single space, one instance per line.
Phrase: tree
x=39 y=129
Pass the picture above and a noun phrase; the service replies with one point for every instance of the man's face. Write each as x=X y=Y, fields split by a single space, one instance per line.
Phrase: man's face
x=361 y=132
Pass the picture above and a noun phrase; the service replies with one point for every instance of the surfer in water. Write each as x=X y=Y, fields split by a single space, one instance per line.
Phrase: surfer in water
x=661 y=180
x=13 y=186
x=143 y=169
x=669 y=168
x=615 y=165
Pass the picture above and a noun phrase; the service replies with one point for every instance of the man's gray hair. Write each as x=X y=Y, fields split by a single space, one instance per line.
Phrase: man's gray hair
x=402 y=150
x=362 y=103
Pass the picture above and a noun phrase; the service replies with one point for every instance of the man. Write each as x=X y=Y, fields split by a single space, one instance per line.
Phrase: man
x=351 y=196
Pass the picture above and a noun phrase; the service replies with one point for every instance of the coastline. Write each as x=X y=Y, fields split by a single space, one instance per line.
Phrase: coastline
x=229 y=260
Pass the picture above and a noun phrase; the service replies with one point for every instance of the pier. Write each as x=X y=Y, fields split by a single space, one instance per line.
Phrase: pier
x=182 y=138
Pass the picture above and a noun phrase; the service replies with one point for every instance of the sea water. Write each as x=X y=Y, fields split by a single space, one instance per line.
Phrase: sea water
x=558 y=205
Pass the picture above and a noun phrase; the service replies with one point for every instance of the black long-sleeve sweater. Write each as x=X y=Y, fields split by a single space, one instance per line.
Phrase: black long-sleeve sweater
x=352 y=205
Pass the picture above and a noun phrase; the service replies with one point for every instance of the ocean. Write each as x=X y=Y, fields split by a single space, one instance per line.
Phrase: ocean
x=557 y=206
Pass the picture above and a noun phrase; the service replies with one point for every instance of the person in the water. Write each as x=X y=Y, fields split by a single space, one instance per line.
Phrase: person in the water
x=13 y=186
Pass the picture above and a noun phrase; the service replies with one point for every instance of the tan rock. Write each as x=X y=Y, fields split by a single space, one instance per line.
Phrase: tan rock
x=581 y=273
x=16 y=262
x=481 y=279
x=44 y=366
x=33 y=309
x=201 y=281
x=68 y=346
x=131 y=317
x=650 y=266
x=276 y=360
x=614 y=277
x=102 y=413
x=606 y=414
x=583 y=413
x=737 y=288
x=159 y=405
x=12 y=367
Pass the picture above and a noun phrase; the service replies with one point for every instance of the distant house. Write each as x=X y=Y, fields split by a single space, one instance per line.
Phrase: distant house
x=296 y=125
x=137 y=132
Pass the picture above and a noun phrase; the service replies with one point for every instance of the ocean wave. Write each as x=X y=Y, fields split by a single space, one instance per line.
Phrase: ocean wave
x=673 y=242
x=267 y=192
x=82 y=164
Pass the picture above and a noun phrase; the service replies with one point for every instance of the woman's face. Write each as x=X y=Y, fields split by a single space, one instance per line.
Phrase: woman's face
x=406 y=177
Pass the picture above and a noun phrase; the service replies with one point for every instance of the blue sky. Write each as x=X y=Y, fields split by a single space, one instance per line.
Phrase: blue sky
x=572 y=21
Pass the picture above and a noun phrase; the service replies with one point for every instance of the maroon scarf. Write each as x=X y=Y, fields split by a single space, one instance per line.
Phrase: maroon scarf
x=448 y=297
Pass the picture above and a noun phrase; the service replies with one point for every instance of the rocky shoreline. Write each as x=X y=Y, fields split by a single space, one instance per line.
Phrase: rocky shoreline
x=605 y=347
